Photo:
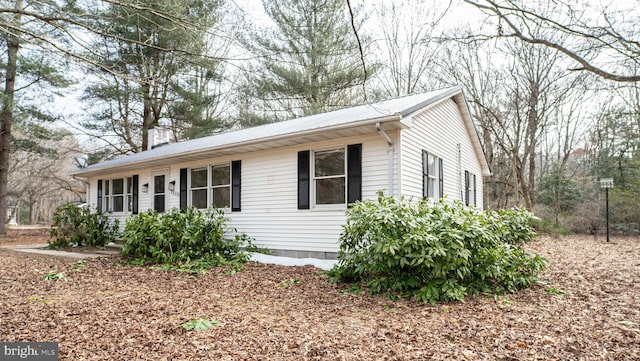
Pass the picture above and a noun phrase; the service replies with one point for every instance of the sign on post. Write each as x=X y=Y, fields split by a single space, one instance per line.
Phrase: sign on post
x=606 y=182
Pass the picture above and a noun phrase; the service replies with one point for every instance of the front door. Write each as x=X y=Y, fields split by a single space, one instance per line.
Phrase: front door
x=159 y=192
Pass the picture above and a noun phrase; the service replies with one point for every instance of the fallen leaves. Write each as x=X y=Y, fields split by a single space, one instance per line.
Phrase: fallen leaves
x=585 y=307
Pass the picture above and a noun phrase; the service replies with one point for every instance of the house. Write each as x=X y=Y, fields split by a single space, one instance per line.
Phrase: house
x=288 y=184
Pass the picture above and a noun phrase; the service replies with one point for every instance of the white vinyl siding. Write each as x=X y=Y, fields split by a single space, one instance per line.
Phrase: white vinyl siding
x=269 y=179
x=270 y=211
x=439 y=129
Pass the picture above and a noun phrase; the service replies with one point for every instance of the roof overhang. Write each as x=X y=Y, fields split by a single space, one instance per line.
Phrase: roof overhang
x=463 y=106
x=364 y=127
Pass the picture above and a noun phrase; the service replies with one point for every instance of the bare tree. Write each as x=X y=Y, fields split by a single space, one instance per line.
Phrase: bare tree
x=64 y=30
x=408 y=47
x=604 y=41
x=39 y=177
x=514 y=90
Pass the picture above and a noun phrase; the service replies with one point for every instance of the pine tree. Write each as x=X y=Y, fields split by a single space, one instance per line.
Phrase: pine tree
x=309 y=62
x=156 y=71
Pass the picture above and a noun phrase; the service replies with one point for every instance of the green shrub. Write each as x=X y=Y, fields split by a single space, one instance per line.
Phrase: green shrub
x=76 y=226
x=190 y=237
x=550 y=228
x=512 y=226
x=435 y=251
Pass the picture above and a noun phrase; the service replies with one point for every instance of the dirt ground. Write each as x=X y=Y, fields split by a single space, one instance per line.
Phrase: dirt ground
x=586 y=307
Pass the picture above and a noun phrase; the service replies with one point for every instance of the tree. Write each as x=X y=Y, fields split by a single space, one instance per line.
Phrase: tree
x=558 y=190
x=155 y=72
x=515 y=102
x=308 y=63
x=614 y=151
x=60 y=32
x=603 y=41
x=39 y=177
x=408 y=47
x=31 y=75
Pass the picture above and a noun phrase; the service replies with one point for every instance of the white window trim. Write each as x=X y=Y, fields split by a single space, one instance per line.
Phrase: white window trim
x=190 y=189
x=327 y=207
x=212 y=187
x=152 y=190
x=209 y=187
x=435 y=177
x=108 y=195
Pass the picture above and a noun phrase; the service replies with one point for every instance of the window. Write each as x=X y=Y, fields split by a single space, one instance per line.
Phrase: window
x=221 y=186
x=432 y=180
x=470 y=188
x=117 y=195
x=211 y=186
x=198 y=187
x=329 y=176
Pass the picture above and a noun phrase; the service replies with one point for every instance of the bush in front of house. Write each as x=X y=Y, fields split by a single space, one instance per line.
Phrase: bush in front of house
x=78 y=226
x=188 y=237
x=435 y=252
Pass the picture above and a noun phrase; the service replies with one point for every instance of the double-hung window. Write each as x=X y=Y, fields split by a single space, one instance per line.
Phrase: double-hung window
x=117 y=195
x=470 y=188
x=210 y=186
x=199 y=187
x=432 y=180
x=221 y=186
x=329 y=176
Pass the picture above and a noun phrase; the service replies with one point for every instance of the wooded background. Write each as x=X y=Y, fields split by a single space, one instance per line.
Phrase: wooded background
x=553 y=86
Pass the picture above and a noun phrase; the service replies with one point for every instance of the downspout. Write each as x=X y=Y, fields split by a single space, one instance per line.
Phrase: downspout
x=389 y=155
x=460 y=187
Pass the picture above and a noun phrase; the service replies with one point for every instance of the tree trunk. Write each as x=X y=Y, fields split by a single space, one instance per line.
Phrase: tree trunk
x=6 y=117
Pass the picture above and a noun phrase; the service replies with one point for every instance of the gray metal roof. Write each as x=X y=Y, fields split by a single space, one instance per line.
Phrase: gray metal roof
x=233 y=141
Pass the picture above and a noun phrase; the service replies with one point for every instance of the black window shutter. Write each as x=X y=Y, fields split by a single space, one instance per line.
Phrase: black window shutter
x=134 y=194
x=441 y=179
x=474 y=190
x=354 y=173
x=425 y=174
x=466 y=187
x=183 y=188
x=99 y=200
x=235 y=185
x=303 y=179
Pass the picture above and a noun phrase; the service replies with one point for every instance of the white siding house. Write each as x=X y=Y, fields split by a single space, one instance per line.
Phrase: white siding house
x=288 y=184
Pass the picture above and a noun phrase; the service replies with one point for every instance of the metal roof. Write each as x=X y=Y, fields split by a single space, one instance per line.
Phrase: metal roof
x=293 y=131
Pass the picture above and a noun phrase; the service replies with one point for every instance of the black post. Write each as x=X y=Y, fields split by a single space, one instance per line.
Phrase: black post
x=607 y=201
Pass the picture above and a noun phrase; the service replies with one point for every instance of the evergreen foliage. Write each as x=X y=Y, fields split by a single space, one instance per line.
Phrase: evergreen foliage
x=435 y=251
x=78 y=226
x=158 y=68
x=184 y=237
x=309 y=63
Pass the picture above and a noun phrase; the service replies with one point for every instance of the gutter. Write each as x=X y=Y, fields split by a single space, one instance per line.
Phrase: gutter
x=390 y=156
